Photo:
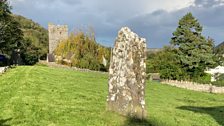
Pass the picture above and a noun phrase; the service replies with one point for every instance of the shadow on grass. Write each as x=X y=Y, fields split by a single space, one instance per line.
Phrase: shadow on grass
x=138 y=122
x=216 y=112
x=4 y=121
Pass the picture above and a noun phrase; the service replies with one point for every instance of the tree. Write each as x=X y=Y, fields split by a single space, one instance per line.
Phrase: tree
x=86 y=53
x=4 y=16
x=37 y=35
x=29 y=52
x=219 y=52
x=4 y=9
x=11 y=35
x=166 y=63
x=194 y=51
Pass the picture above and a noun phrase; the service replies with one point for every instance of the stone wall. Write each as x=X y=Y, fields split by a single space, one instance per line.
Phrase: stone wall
x=56 y=34
x=195 y=86
x=55 y=65
x=127 y=75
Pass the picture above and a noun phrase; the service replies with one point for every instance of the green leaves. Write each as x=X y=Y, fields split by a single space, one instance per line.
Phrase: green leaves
x=188 y=56
x=4 y=9
x=37 y=35
x=188 y=30
x=219 y=52
x=11 y=35
x=194 y=51
x=86 y=52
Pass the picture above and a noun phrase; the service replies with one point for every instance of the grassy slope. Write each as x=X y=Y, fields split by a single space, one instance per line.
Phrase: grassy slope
x=48 y=96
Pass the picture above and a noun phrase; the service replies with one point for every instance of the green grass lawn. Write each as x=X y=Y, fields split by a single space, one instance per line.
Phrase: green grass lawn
x=43 y=96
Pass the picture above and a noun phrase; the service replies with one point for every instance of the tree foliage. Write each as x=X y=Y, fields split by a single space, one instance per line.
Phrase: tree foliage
x=17 y=32
x=84 y=51
x=166 y=63
x=11 y=36
x=188 y=56
x=194 y=51
x=219 y=52
x=219 y=80
x=4 y=9
x=30 y=53
x=37 y=35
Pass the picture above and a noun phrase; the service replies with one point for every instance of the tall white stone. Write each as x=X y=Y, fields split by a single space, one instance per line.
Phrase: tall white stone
x=127 y=75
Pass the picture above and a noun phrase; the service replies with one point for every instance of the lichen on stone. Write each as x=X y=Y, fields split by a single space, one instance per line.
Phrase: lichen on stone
x=127 y=74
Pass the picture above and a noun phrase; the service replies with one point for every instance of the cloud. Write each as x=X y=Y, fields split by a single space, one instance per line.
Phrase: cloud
x=208 y=3
x=158 y=26
x=152 y=19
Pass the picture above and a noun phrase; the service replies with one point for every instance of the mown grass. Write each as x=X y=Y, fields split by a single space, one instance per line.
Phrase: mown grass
x=43 y=96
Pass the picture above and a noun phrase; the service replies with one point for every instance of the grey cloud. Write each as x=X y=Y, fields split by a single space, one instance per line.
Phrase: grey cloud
x=208 y=3
x=107 y=17
x=158 y=26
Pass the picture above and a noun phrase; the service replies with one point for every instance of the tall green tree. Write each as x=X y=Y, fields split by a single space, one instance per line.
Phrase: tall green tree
x=194 y=51
x=4 y=15
x=11 y=35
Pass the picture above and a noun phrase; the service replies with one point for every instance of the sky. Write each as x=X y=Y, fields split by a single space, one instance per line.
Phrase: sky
x=154 y=20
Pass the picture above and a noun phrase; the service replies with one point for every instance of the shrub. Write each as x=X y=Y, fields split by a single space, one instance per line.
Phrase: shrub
x=30 y=53
x=30 y=58
x=203 y=79
x=219 y=81
x=86 y=53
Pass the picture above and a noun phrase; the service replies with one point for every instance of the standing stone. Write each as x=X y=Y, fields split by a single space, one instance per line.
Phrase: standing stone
x=127 y=74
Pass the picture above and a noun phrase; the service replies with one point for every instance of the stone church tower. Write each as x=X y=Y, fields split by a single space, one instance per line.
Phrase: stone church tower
x=56 y=34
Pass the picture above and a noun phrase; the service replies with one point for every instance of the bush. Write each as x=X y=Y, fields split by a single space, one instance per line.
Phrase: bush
x=86 y=53
x=170 y=71
x=30 y=58
x=219 y=81
x=165 y=62
x=30 y=53
x=203 y=79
